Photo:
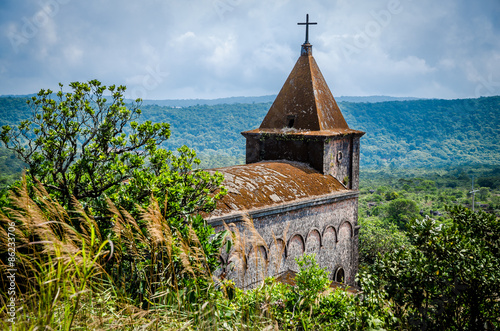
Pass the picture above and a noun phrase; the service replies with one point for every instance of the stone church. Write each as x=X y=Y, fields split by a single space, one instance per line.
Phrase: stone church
x=299 y=185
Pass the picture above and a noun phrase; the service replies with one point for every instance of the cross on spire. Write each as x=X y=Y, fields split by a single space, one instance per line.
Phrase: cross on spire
x=307 y=23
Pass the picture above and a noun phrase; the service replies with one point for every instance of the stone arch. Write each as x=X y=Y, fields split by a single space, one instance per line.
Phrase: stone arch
x=295 y=248
x=328 y=254
x=277 y=257
x=329 y=236
x=256 y=266
x=346 y=225
x=296 y=243
x=313 y=242
x=339 y=275
x=260 y=250
x=345 y=247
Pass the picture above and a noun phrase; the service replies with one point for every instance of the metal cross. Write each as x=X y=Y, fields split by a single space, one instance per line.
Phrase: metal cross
x=307 y=23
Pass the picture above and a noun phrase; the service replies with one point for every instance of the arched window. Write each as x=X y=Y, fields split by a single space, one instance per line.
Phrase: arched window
x=340 y=275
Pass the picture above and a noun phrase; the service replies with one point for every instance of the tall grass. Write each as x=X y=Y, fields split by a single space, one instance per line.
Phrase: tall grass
x=140 y=276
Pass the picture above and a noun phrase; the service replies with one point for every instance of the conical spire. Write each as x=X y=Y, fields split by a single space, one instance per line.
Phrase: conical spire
x=305 y=102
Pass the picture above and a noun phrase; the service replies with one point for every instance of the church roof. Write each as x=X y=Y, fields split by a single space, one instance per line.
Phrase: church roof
x=305 y=102
x=271 y=183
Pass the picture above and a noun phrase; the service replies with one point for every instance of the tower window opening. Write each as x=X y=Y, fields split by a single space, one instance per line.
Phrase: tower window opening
x=290 y=121
x=339 y=275
x=339 y=156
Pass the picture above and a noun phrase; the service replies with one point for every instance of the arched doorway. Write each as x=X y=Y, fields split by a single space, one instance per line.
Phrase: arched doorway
x=340 y=275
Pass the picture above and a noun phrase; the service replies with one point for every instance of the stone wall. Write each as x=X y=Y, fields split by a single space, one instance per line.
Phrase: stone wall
x=326 y=227
x=341 y=160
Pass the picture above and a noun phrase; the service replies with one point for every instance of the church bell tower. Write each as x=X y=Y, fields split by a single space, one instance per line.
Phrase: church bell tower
x=305 y=124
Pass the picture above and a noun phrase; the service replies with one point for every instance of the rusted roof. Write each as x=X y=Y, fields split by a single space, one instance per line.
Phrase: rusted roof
x=271 y=183
x=305 y=98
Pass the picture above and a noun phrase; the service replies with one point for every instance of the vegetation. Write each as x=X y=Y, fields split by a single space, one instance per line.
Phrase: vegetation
x=436 y=266
x=108 y=231
x=311 y=304
x=448 y=278
x=10 y=168
x=68 y=279
x=412 y=133
x=75 y=145
x=84 y=167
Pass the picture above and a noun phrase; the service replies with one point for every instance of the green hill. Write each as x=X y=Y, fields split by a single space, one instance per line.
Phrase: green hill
x=417 y=133
x=412 y=133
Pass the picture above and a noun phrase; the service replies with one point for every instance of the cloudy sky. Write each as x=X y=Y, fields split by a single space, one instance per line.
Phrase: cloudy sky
x=173 y=49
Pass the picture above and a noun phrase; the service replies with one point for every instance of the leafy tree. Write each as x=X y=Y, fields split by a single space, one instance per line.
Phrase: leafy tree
x=401 y=211
x=378 y=237
x=311 y=280
x=449 y=279
x=76 y=145
x=82 y=145
x=484 y=193
x=391 y=195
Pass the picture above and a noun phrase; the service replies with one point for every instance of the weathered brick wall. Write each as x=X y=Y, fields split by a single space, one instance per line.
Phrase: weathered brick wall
x=337 y=159
x=328 y=230
x=341 y=159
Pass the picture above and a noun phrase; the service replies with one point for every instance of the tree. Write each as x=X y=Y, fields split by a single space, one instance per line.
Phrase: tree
x=76 y=145
x=378 y=237
x=82 y=145
x=401 y=211
x=449 y=278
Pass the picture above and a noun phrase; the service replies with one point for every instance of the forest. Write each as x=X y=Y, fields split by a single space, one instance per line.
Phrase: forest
x=108 y=232
x=413 y=133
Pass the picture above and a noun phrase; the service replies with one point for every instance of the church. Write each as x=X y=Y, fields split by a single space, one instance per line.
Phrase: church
x=299 y=185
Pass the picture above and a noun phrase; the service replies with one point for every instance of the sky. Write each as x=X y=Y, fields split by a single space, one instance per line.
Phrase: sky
x=189 y=49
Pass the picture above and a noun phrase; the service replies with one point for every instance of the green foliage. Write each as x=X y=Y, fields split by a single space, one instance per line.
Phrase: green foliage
x=377 y=237
x=391 y=195
x=57 y=267
x=310 y=281
x=312 y=305
x=78 y=279
x=179 y=189
x=10 y=168
x=449 y=278
x=82 y=145
x=76 y=146
x=401 y=211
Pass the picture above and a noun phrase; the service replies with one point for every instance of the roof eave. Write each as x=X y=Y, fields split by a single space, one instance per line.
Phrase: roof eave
x=239 y=216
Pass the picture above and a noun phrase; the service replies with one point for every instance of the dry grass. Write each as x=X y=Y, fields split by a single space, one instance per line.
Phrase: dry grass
x=71 y=277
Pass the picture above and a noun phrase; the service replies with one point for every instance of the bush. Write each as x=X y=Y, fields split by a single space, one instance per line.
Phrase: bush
x=400 y=211
x=449 y=278
x=377 y=237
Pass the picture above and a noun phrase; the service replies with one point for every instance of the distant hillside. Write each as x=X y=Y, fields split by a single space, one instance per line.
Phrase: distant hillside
x=233 y=100
x=261 y=99
x=414 y=133
x=210 y=102
x=374 y=98
x=13 y=110
x=399 y=133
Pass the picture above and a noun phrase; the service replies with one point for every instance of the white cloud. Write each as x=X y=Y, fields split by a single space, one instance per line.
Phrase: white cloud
x=203 y=49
